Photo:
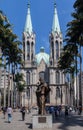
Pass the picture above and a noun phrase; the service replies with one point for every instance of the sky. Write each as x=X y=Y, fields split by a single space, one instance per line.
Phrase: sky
x=42 y=17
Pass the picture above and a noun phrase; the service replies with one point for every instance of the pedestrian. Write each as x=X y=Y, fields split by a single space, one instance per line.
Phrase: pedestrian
x=23 y=110
x=56 y=114
x=9 y=112
x=59 y=109
x=4 y=111
x=66 y=111
x=79 y=110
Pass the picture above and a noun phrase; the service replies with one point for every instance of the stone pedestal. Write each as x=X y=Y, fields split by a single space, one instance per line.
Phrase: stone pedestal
x=40 y=122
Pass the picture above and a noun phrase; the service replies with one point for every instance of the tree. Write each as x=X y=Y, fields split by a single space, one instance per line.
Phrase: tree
x=20 y=84
x=74 y=38
x=10 y=46
x=76 y=35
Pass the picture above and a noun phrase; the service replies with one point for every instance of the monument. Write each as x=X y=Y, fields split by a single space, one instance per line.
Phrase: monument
x=42 y=120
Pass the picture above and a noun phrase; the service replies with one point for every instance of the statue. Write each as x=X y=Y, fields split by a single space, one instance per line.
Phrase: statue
x=41 y=94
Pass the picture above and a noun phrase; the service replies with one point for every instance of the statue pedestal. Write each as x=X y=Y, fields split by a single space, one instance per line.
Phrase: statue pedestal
x=42 y=121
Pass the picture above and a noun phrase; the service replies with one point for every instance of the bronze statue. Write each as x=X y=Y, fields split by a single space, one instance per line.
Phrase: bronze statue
x=41 y=94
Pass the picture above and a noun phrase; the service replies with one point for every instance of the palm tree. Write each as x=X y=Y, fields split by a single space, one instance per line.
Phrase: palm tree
x=9 y=44
x=74 y=38
x=4 y=29
x=20 y=85
x=78 y=5
x=76 y=35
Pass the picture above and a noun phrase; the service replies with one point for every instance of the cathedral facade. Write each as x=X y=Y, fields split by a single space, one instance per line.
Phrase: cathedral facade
x=42 y=64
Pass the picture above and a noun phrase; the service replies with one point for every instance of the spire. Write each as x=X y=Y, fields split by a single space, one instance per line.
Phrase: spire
x=55 y=25
x=28 y=23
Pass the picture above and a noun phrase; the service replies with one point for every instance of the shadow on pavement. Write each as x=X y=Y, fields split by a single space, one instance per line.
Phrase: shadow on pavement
x=6 y=122
x=29 y=125
x=70 y=121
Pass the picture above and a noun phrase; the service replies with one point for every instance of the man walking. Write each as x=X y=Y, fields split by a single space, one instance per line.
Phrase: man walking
x=9 y=112
x=23 y=110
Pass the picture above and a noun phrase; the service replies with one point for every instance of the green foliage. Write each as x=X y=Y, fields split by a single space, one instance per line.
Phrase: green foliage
x=9 y=43
x=74 y=39
x=20 y=82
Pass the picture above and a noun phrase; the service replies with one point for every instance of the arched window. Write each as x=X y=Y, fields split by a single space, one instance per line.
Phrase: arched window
x=42 y=75
x=52 y=50
x=28 y=57
x=57 y=77
x=32 y=56
x=57 y=50
x=61 y=78
x=32 y=47
x=60 y=47
x=28 y=46
x=58 y=92
x=28 y=78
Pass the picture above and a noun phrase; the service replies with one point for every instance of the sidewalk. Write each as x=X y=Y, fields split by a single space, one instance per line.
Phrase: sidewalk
x=61 y=123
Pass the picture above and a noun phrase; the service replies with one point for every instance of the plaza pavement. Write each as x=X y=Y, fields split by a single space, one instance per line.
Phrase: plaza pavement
x=72 y=122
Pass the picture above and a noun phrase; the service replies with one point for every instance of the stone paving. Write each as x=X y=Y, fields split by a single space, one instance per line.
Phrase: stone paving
x=72 y=122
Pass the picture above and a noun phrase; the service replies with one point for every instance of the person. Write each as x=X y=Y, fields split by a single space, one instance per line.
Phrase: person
x=56 y=115
x=66 y=111
x=80 y=110
x=59 y=109
x=4 y=111
x=9 y=112
x=23 y=110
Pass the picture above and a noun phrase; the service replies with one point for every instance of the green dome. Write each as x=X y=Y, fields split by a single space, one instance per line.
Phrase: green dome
x=42 y=55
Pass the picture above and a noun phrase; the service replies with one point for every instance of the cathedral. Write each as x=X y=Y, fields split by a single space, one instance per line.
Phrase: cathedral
x=42 y=64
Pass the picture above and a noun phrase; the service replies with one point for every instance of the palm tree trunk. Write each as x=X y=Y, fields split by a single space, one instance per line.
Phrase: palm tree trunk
x=80 y=84
x=76 y=100
x=4 y=82
x=20 y=97
x=9 y=86
x=12 y=91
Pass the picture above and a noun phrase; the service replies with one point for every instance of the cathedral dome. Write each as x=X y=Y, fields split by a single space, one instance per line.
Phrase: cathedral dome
x=42 y=56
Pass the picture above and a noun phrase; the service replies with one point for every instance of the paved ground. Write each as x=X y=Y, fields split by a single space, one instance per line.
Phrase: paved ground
x=73 y=122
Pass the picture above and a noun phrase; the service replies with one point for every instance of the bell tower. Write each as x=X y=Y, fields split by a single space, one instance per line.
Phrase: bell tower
x=28 y=41
x=55 y=40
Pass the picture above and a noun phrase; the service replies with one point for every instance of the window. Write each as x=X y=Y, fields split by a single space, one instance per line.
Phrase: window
x=32 y=56
x=58 y=92
x=28 y=57
x=28 y=78
x=28 y=46
x=52 y=50
x=57 y=50
x=57 y=77
x=42 y=75
x=60 y=47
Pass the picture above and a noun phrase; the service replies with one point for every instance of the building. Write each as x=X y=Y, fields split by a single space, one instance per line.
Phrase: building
x=6 y=88
x=42 y=64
